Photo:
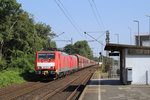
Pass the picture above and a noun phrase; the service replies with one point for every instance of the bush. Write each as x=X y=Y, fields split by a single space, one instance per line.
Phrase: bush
x=3 y=64
x=19 y=70
x=24 y=63
x=10 y=76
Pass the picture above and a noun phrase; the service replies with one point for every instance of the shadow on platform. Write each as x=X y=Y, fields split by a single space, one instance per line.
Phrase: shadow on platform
x=104 y=82
x=110 y=82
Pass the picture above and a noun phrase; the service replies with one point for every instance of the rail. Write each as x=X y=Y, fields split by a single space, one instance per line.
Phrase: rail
x=83 y=83
x=59 y=89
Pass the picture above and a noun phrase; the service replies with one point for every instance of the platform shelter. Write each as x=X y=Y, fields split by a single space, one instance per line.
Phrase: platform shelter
x=134 y=62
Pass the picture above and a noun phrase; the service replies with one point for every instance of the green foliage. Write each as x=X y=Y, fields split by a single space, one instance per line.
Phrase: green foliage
x=108 y=63
x=21 y=37
x=19 y=70
x=96 y=59
x=81 y=47
x=24 y=63
x=44 y=33
x=53 y=44
x=10 y=76
x=69 y=49
x=9 y=9
x=3 y=64
x=43 y=30
x=19 y=33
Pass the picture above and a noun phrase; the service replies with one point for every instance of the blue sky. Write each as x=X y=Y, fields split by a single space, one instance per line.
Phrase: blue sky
x=116 y=16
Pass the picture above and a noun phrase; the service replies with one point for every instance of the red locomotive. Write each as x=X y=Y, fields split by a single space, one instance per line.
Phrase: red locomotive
x=56 y=63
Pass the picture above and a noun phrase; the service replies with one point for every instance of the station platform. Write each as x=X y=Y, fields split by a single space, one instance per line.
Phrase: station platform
x=104 y=88
x=92 y=89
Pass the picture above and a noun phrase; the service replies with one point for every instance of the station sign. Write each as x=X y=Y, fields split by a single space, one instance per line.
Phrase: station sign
x=113 y=54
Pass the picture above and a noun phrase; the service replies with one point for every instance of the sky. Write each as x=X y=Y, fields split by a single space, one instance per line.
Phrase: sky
x=93 y=17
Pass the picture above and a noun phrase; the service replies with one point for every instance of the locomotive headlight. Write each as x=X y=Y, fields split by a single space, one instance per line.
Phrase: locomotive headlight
x=39 y=67
x=52 y=67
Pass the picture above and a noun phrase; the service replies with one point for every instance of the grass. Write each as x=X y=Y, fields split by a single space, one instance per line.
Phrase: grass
x=10 y=76
x=20 y=69
x=98 y=71
x=15 y=75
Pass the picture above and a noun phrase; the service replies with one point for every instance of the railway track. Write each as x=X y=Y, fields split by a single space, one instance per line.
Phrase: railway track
x=22 y=90
x=7 y=91
x=83 y=83
x=61 y=88
x=74 y=91
x=49 y=90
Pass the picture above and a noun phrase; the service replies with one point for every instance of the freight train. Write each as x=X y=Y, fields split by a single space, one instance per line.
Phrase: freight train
x=54 y=64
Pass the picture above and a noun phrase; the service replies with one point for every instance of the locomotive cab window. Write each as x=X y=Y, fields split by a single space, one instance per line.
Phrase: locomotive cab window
x=46 y=56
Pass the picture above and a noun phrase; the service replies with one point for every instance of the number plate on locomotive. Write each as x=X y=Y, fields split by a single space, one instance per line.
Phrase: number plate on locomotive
x=45 y=66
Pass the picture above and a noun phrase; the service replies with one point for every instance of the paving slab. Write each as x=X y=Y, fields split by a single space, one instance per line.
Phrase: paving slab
x=111 y=89
x=92 y=90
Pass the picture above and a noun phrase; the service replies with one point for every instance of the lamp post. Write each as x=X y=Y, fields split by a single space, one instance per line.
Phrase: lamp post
x=130 y=35
x=138 y=32
x=117 y=37
x=118 y=43
x=149 y=28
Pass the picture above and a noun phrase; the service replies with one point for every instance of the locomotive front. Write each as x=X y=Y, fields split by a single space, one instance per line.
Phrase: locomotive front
x=45 y=64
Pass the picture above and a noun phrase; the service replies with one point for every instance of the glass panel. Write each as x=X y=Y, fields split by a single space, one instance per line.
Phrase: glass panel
x=50 y=55
x=46 y=55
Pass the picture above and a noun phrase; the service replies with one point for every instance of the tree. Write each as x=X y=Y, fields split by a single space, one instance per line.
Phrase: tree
x=9 y=10
x=19 y=35
x=69 y=49
x=81 y=47
x=21 y=41
x=44 y=32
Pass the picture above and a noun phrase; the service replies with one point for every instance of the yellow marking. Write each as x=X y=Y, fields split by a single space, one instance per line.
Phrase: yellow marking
x=56 y=71
x=45 y=72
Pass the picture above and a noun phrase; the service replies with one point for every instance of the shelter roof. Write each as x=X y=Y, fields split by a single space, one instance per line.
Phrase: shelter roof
x=119 y=47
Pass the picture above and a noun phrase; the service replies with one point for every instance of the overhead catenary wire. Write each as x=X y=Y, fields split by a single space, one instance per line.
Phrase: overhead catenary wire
x=70 y=15
x=68 y=18
x=103 y=32
x=97 y=17
x=94 y=13
x=61 y=6
x=98 y=14
x=95 y=39
x=95 y=31
x=101 y=35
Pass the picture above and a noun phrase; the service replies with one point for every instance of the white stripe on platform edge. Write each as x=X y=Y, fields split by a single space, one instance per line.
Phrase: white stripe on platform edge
x=99 y=94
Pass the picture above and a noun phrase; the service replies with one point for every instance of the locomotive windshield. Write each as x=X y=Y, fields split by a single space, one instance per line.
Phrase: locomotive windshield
x=46 y=55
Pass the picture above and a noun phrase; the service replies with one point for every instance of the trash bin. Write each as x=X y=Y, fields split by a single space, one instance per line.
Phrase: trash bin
x=129 y=75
